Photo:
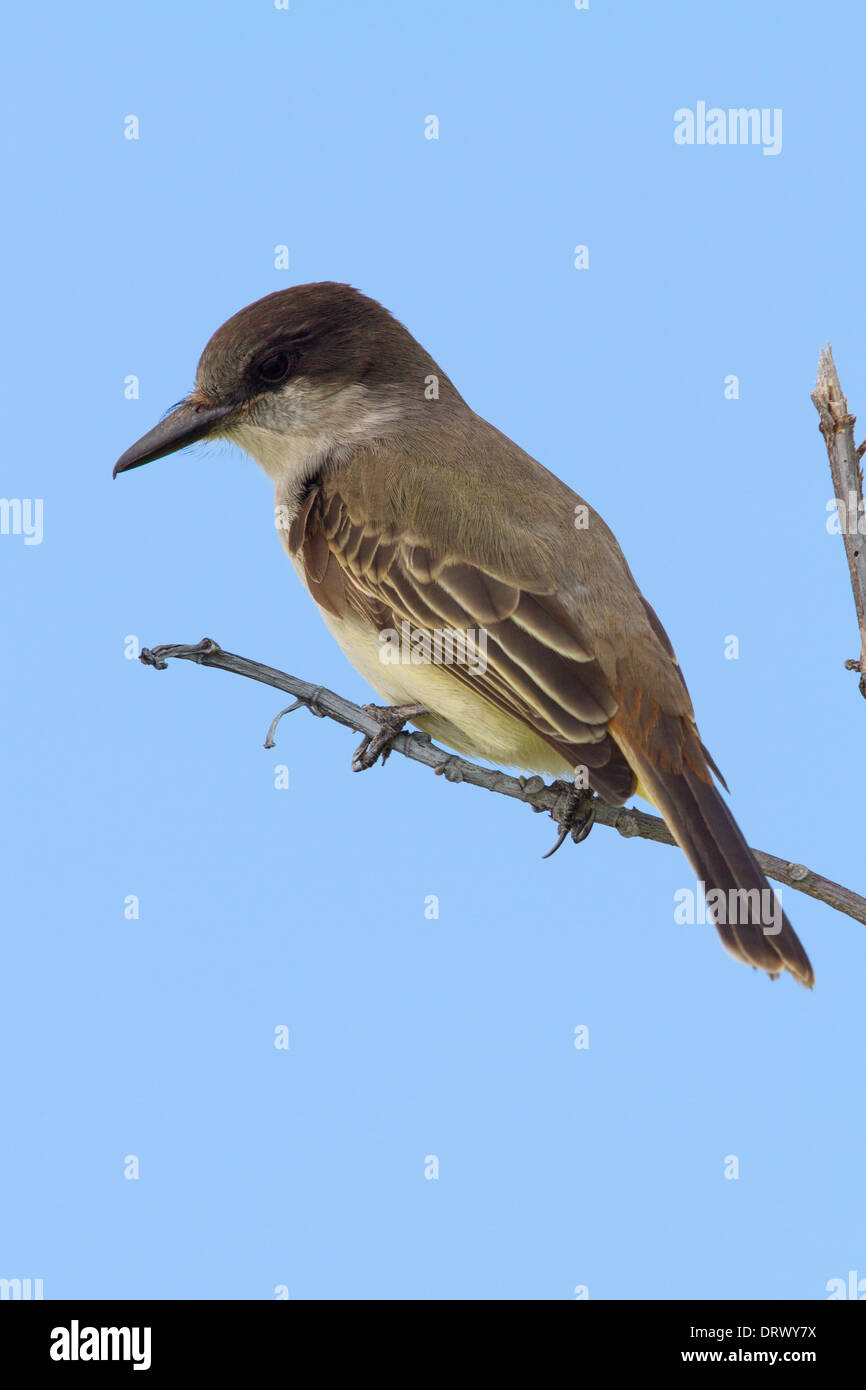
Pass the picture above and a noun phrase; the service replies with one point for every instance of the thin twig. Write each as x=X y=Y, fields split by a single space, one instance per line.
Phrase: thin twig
x=270 y=735
x=837 y=427
x=532 y=790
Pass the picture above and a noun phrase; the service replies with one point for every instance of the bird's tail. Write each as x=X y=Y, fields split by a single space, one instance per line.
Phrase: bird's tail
x=746 y=913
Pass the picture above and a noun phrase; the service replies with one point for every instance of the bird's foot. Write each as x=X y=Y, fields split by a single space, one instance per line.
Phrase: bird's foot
x=573 y=811
x=391 y=718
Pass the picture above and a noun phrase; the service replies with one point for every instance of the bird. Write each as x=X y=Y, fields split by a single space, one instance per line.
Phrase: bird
x=401 y=509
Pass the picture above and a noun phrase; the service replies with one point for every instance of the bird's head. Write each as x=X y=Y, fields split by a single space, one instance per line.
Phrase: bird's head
x=295 y=375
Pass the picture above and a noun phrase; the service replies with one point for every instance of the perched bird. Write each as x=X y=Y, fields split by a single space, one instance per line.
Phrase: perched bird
x=397 y=504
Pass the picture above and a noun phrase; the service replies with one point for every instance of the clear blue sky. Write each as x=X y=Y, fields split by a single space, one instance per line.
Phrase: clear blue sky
x=305 y=907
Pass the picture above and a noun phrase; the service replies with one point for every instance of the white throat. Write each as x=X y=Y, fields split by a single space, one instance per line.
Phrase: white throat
x=313 y=422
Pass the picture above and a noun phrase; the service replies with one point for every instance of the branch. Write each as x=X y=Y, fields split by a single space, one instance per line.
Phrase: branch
x=533 y=790
x=837 y=427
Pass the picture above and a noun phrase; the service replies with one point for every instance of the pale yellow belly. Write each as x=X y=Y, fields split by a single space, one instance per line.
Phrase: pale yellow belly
x=458 y=717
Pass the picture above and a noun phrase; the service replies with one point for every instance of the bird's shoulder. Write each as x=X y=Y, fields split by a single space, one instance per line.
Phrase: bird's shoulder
x=471 y=494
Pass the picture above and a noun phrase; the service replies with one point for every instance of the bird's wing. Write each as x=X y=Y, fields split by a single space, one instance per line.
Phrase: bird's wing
x=539 y=667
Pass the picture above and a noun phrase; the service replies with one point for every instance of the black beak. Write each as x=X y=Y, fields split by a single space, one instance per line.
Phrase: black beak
x=186 y=423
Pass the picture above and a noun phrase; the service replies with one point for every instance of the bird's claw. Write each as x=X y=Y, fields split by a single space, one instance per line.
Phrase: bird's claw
x=574 y=813
x=391 y=719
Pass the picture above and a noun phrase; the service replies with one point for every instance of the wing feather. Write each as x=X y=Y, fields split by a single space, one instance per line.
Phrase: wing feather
x=540 y=668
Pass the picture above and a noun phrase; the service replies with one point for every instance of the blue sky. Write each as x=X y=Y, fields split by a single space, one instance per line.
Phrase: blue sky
x=305 y=1168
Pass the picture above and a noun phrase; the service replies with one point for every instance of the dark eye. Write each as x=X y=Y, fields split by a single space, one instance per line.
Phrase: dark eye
x=275 y=368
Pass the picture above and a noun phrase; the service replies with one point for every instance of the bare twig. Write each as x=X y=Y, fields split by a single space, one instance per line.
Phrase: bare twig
x=837 y=427
x=532 y=790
